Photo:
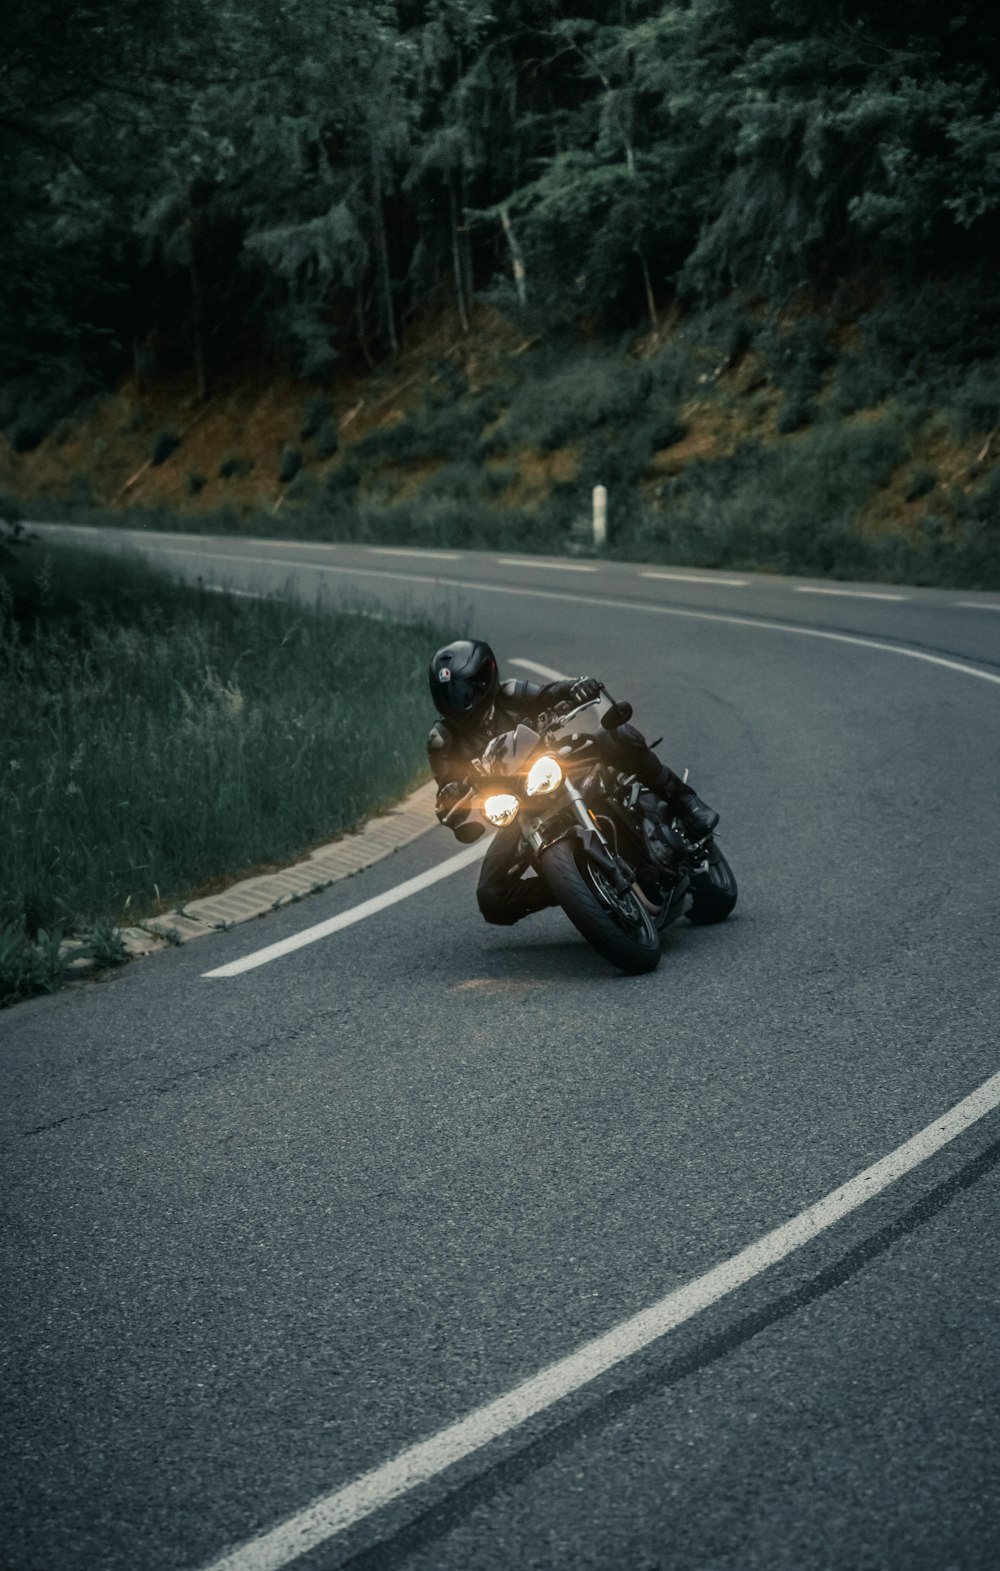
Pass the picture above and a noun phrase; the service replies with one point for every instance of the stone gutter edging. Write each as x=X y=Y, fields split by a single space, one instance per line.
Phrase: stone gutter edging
x=255 y=897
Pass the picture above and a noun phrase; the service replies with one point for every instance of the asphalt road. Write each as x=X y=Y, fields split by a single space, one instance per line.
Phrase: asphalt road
x=266 y=1232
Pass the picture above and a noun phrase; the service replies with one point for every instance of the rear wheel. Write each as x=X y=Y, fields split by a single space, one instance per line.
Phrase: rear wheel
x=714 y=890
x=617 y=924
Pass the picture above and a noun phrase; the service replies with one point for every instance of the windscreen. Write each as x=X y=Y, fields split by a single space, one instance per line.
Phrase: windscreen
x=509 y=752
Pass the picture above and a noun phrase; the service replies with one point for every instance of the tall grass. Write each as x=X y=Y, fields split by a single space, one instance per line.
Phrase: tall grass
x=156 y=738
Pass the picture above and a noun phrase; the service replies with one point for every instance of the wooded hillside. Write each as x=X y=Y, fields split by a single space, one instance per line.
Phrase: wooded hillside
x=233 y=188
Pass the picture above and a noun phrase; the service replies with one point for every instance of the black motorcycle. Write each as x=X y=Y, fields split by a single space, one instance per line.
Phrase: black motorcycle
x=608 y=848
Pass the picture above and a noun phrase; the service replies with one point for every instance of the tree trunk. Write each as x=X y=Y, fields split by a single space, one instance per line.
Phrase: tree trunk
x=382 y=246
x=198 y=318
x=516 y=256
x=467 y=273
x=650 y=302
x=359 y=317
x=456 y=259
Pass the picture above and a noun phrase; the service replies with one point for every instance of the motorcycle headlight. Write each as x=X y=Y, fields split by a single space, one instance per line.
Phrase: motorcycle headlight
x=501 y=809
x=543 y=776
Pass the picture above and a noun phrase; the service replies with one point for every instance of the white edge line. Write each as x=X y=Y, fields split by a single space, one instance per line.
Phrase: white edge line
x=540 y=670
x=335 y=1512
x=334 y=924
x=851 y=594
x=559 y=567
x=696 y=578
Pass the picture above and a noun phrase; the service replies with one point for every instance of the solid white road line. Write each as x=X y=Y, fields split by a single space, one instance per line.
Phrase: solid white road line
x=850 y=594
x=392 y=550
x=694 y=578
x=540 y=670
x=334 y=1513
x=537 y=561
x=334 y=924
x=644 y=606
x=977 y=605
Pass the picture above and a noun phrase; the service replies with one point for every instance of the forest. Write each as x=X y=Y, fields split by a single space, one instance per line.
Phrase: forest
x=249 y=190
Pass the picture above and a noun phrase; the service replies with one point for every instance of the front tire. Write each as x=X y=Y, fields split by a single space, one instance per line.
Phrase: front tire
x=715 y=892
x=618 y=926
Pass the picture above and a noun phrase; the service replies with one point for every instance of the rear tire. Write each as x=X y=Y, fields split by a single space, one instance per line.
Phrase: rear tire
x=715 y=892
x=626 y=936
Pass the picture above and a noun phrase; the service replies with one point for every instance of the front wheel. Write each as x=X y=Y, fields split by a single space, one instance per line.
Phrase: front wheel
x=714 y=890
x=616 y=924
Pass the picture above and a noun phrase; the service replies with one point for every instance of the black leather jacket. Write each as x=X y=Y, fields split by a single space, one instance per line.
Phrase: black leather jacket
x=450 y=747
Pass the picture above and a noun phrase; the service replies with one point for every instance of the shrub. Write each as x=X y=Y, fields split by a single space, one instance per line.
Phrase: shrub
x=921 y=482
x=103 y=943
x=439 y=428
x=27 y=433
x=289 y=464
x=235 y=468
x=316 y=413
x=860 y=382
x=326 y=442
x=29 y=964
x=795 y=413
x=165 y=443
x=975 y=405
x=196 y=483
x=587 y=391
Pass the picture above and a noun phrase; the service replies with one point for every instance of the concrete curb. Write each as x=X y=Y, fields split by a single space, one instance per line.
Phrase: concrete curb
x=254 y=897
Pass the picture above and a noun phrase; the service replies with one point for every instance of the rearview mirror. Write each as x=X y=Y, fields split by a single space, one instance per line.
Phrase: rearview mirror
x=618 y=714
x=468 y=833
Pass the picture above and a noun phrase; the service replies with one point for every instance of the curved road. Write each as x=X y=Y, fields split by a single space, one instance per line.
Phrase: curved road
x=269 y=1231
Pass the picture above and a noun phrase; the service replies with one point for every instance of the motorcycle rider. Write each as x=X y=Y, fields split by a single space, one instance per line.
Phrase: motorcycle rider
x=474 y=706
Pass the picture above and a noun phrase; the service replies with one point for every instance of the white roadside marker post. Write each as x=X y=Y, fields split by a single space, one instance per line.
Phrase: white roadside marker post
x=600 y=517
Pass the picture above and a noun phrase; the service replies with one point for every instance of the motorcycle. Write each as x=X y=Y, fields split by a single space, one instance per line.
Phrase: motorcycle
x=611 y=853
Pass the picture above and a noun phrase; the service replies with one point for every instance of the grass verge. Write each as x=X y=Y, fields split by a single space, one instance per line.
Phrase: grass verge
x=157 y=738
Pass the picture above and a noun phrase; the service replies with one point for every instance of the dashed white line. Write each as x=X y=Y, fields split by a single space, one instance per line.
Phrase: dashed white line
x=537 y=561
x=978 y=605
x=540 y=670
x=342 y=1508
x=696 y=578
x=334 y=924
x=436 y=556
x=850 y=594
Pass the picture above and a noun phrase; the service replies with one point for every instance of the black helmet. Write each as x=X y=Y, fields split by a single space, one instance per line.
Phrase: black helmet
x=463 y=678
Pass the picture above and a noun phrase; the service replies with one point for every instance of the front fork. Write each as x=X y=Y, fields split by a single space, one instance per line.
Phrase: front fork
x=594 y=840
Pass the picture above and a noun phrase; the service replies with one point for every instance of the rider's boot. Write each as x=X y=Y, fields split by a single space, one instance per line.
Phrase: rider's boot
x=697 y=818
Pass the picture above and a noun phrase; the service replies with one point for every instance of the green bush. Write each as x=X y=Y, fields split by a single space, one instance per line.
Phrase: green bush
x=29 y=964
x=235 y=468
x=315 y=414
x=860 y=382
x=27 y=434
x=165 y=443
x=975 y=404
x=921 y=483
x=289 y=464
x=441 y=427
x=789 y=507
x=795 y=413
x=578 y=394
x=326 y=441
